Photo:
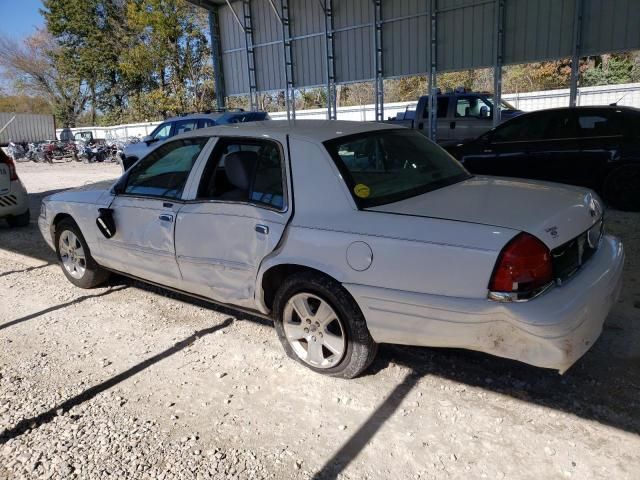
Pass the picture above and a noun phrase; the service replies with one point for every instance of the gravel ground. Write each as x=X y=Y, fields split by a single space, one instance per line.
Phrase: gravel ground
x=130 y=381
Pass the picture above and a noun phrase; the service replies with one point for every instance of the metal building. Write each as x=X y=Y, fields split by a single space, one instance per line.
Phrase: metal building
x=266 y=45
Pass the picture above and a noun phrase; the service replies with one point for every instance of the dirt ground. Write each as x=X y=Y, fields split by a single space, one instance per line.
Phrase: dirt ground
x=130 y=381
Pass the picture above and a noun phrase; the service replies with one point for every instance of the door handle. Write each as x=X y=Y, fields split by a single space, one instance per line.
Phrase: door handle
x=166 y=218
x=262 y=229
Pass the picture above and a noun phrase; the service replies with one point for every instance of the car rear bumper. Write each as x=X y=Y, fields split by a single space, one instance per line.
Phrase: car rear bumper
x=14 y=202
x=551 y=331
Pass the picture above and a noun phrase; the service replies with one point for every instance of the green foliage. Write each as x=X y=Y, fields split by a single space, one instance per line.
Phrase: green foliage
x=612 y=70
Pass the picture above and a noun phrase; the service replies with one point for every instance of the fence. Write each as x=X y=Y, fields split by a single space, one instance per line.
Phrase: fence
x=625 y=94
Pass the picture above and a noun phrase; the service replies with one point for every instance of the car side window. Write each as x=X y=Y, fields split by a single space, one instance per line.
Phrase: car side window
x=472 y=107
x=184 y=126
x=244 y=171
x=442 y=109
x=560 y=125
x=605 y=124
x=511 y=131
x=162 y=132
x=164 y=172
x=206 y=122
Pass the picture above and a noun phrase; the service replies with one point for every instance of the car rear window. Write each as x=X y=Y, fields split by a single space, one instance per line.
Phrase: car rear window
x=387 y=166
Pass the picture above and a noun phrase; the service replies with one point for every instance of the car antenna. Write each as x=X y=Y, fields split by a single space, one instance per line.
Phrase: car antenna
x=615 y=104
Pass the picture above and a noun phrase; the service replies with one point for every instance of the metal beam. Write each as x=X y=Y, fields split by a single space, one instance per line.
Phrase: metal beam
x=248 y=48
x=575 y=57
x=289 y=92
x=216 y=54
x=433 y=71
x=329 y=51
x=499 y=60
x=378 y=82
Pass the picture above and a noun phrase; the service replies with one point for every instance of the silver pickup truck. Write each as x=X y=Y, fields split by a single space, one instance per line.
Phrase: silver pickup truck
x=462 y=116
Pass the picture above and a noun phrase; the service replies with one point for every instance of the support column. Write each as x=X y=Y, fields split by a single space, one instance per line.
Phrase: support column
x=498 y=61
x=248 y=48
x=379 y=77
x=216 y=54
x=329 y=50
x=575 y=57
x=290 y=97
x=433 y=70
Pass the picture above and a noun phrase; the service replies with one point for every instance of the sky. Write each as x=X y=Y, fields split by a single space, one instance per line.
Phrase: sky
x=19 y=18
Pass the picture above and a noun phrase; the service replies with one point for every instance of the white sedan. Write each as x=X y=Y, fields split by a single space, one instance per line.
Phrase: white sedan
x=14 y=201
x=349 y=235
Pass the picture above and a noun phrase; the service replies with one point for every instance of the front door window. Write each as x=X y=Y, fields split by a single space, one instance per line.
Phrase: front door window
x=164 y=172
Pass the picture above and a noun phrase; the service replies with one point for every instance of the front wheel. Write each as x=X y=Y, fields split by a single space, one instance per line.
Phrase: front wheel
x=321 y=326
x=621 y=188
x=77 y=263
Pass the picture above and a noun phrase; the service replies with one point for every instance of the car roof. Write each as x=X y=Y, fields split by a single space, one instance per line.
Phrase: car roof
x=586 y=107
x=315 y=130
x=214 y=116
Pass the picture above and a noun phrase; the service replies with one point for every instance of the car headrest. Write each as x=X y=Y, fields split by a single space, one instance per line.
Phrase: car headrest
x=240 y=167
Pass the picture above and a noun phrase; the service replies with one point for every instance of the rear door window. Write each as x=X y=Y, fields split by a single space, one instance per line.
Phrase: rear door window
x=184 y=126
x=206 y=122
x=600 y=124
x=245 y=171
x=443 y=108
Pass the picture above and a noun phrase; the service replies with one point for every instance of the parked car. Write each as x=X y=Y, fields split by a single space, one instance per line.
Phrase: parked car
x=177 y=125
x=14 y=201
x=595 y=147
x=462 y=115
x=351 y=234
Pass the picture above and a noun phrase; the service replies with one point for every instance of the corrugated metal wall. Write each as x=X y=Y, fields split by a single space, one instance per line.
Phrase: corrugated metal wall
x=535 y=30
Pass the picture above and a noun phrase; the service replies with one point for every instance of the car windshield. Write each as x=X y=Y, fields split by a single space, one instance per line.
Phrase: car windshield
x=387 y=166
x=504 y=105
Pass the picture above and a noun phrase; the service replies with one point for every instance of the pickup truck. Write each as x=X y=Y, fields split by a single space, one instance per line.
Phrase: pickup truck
x=462 y=116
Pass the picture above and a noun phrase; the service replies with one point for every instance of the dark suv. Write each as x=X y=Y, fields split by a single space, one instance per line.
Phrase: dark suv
x=595 y=147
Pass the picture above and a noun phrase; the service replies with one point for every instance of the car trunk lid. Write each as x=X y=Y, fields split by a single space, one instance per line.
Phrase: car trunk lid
x=554 y=213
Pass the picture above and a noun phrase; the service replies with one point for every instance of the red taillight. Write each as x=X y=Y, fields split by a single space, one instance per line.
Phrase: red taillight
x=13 y=174
x=524 y=266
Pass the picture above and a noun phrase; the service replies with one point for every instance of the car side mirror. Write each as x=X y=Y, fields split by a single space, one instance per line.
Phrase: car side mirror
x=148 y=139
x=484 y=112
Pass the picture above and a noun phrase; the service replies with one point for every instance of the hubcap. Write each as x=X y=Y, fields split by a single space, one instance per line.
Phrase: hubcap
x=314 y=331
x=72 y=254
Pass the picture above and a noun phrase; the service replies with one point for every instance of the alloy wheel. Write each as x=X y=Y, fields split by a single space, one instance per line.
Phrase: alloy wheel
x=314 y=331
x=72 y=254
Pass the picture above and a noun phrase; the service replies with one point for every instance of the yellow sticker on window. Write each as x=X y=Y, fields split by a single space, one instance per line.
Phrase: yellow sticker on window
x=361 y=190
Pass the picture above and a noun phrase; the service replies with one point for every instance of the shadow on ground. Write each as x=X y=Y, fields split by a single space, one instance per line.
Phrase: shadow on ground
x=31 y=423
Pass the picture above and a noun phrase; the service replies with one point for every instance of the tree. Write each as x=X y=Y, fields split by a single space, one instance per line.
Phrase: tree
x=168 y=60
x=34 y=68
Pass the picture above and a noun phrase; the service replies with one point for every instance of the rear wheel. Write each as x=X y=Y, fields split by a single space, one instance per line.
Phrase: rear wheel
x=21 y=220
x=77 y=263
x=321 y=326
x=621 y=188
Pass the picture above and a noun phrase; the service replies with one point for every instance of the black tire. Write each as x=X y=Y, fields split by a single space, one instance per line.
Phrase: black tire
x=621 y=188
x=361 y=349
x=94 y=275
x=21 y=220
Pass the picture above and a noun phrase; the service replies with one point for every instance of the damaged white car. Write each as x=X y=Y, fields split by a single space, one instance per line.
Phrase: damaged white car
x=349 y=235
